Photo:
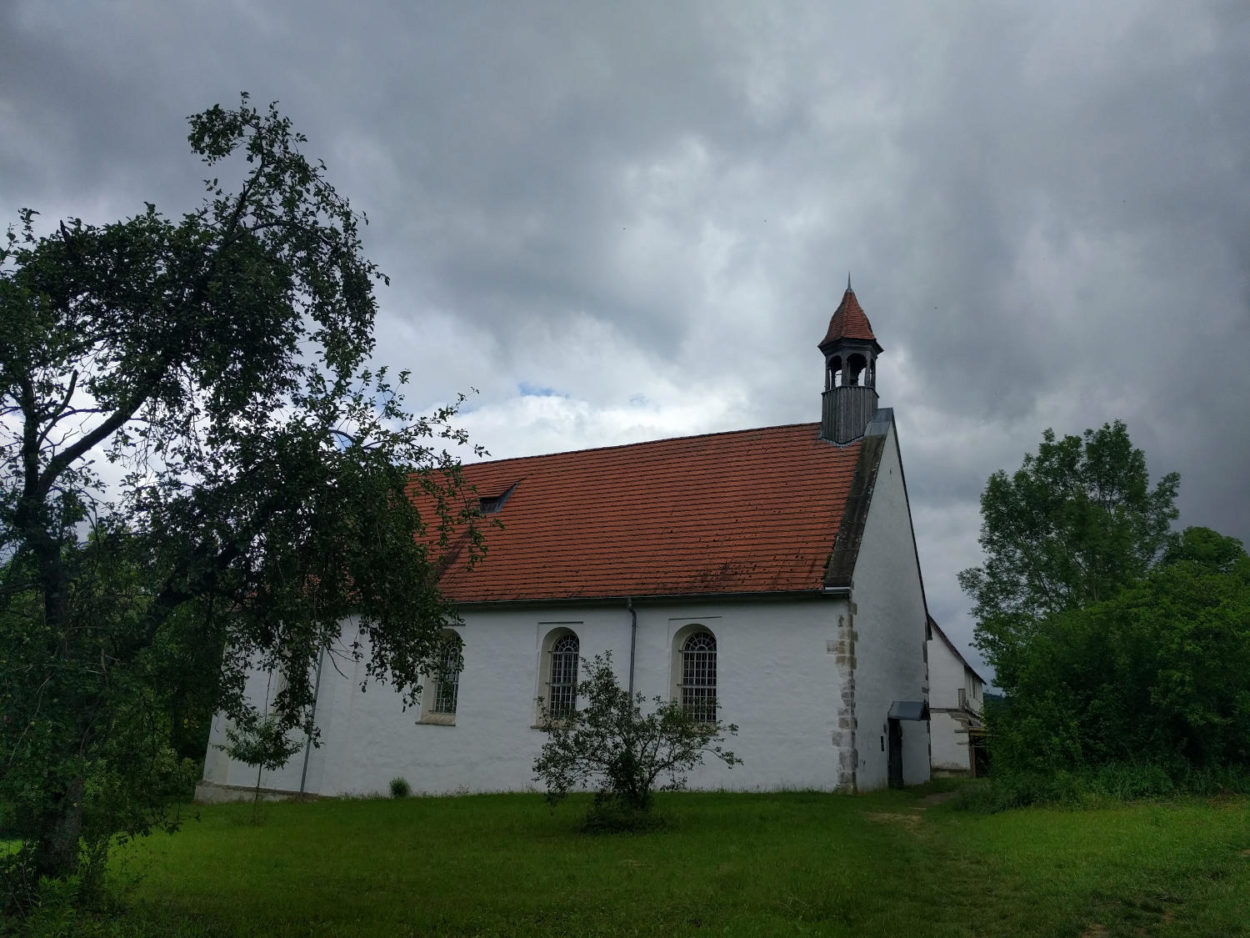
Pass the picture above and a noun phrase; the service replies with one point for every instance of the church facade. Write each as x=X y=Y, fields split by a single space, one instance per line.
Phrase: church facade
x=766 y=577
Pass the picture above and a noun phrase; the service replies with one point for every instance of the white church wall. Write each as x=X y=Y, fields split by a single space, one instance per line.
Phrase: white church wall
x=775 y=680
x=260 y=687
x=890 y=622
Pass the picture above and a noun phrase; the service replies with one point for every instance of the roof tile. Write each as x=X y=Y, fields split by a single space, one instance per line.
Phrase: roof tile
x=849 y=321
x=747 y=511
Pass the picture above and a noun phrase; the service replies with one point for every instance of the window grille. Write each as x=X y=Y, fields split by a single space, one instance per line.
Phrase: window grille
x=562 y=687
x=447 y=676
x=698 y=677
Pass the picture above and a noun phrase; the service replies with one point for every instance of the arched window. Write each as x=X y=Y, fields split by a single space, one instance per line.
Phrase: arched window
x=562 y=676
x=446 y=679
x=834 y=373
x=698 y=676
x=854 y=368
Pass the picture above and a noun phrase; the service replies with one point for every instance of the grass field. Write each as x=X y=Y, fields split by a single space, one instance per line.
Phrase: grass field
x=886 y=864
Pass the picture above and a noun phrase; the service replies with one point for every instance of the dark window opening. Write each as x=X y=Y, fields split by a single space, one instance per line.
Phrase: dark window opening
x=491 y=505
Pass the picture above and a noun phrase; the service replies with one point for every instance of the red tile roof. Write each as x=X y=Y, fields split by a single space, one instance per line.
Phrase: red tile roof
x=748 y=511
x=849 y=321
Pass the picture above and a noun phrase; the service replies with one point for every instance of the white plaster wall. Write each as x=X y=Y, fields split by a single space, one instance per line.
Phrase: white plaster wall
x=975 y=689
x=261 y=688
x=776 y=680
x=950 y=747
x=946 y=675
x=890 y=622
x=370 y=739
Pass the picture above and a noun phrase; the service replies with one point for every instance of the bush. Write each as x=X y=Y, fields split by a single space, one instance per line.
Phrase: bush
x=19 y=883
x=625 y=755
x=1099 y=785
x=1144 y=692
x=400 y=788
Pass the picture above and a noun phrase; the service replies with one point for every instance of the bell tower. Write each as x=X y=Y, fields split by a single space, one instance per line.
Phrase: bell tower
x=850 y=350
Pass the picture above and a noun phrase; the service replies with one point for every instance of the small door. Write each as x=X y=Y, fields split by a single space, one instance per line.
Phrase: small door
x=896 y=754
x=980 y=755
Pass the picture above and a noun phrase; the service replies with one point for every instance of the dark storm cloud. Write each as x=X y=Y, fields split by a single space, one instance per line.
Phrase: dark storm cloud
x=652 y=208
x=1091 y=184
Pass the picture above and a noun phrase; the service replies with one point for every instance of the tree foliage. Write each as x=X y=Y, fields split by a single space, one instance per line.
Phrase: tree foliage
x=218 y=362
x=611 y=745
x=1156 y=674
x=1122 y=647
x=1074 y=525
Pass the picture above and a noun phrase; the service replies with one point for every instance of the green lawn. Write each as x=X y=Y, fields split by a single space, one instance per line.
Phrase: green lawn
x=888 y=864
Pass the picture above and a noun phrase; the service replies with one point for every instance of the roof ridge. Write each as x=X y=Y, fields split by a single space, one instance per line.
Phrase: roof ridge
x=946 y=640
x=666 y=439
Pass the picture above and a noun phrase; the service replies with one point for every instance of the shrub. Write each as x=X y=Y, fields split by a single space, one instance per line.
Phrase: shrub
x=611 y=745
x=1098 y=785
x=400 y=788
x=1152 y=676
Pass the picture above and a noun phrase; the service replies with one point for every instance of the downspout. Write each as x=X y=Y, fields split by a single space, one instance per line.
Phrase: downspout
x=312 y=721
x=633 y=642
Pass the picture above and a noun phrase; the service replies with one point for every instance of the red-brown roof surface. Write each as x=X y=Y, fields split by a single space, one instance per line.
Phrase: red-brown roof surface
x=849 y=321
x=748 y=511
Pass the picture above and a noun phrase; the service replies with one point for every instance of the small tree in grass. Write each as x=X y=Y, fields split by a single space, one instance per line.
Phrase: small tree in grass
x=626 y=755
x=265 y=744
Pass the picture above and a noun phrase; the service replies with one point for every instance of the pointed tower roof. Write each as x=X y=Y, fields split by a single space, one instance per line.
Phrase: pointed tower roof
x=849 y=322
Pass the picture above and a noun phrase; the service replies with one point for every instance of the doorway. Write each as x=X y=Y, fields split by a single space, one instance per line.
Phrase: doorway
x=896 y=753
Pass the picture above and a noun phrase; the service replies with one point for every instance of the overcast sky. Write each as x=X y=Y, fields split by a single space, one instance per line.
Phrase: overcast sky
x=629 y=221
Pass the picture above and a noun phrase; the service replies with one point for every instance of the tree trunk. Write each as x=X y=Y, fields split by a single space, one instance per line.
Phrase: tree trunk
x=57 y=850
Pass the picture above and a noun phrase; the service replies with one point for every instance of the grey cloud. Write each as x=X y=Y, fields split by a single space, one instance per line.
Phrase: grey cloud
x=1045 y=208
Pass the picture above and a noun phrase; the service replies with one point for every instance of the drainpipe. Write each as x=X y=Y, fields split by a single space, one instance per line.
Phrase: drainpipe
x=633 y=642
x=312 y=719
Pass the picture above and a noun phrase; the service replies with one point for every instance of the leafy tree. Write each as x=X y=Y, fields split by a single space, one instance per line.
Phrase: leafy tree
x=609 y=743
x=1156 y=674
x=1074 y=525
x=218 y=361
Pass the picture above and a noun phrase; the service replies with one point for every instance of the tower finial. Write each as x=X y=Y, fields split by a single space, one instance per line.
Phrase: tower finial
x=848 y=282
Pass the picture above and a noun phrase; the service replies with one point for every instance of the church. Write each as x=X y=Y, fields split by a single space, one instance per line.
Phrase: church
x=767 y=578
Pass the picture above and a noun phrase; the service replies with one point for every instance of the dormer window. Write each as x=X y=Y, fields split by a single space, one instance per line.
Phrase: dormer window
x=490 y=505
